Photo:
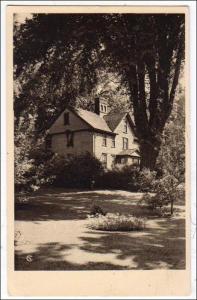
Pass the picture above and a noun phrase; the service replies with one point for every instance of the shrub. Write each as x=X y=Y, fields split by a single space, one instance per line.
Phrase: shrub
x=116 y=222
x=128 y=178
x=166 y=190
x=149 y=200
x=125 y=178
x=30 y=158
x=146 y=180
x=78 y=171
x=97 y=211
x=166 y=193
x=180 y=193
x=48 y=168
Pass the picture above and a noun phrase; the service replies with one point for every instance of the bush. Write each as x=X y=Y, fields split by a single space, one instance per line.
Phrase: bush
x=166 y=193
x=31 y=176
x=128 y=178
x=78 y=171
x=146 y=180
x=30 y=158
x=166 y=190
x=149 y=200
x=125 y=178
x=49 y=168
x=97 y=211
x=116 y=222
x=180 y=193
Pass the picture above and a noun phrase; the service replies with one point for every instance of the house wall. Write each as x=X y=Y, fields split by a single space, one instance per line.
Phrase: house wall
x=86 y=140
x=75 y=123
x=82 y=140
x=109 y=150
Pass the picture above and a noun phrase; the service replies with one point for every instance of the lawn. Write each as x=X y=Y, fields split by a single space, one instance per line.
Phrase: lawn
x=52 y=234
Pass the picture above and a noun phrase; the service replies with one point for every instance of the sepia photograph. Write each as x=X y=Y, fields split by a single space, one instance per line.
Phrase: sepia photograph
x=99 y=141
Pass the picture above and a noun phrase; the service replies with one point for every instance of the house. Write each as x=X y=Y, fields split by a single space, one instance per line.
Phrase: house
x=108 y=136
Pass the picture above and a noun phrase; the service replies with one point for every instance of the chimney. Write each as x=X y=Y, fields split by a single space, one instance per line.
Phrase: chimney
x=101 y=107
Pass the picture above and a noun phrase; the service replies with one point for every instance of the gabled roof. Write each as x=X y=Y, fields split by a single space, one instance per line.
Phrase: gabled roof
x=93 y=119
x=114 y=119
x=107 y=124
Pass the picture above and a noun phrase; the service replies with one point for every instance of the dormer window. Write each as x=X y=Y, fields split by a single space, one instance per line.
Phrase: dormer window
x=66 y=118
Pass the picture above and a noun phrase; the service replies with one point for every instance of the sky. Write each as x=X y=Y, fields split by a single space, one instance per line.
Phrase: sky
x=20 y=18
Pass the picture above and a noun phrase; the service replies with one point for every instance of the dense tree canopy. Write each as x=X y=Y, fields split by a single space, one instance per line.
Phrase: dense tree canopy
x=60 y=58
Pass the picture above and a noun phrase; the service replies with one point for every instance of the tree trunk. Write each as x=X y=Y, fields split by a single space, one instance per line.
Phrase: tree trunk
x=149 y=153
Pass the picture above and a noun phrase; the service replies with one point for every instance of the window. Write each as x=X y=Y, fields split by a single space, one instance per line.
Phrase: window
x=118 y=160
x=135 y=161
x=125 y=126
x=49 y=142
x=125 y=143
x=124 y=160
x=70 y=138
x=104 y=160
x=66 y=118
x=113 y=145
x=104 y=141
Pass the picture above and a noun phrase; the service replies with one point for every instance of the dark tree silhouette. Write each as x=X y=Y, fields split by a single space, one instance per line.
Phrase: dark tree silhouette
x=58 y=57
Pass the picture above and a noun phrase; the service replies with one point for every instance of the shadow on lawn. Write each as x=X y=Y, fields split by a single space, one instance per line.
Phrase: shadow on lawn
x=162 y=247
x=72 y=205
x=43 y=262
x=61 y=205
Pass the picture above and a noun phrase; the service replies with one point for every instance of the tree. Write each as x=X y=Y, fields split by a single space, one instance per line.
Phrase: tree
x=171 y=159
x=58 y=57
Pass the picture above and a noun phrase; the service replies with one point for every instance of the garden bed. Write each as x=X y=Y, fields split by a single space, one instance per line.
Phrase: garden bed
x=116 y=222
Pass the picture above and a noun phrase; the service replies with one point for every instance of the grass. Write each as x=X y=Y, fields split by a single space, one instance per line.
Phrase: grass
x=53 y=233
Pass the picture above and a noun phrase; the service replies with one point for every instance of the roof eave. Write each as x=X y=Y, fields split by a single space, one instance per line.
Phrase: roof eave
x=104 y=131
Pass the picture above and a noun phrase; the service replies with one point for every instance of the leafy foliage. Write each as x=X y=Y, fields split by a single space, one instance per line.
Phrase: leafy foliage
x=77 y=171
x=171 y=159
x=58 y=58
x=26 y=173
x=166 y=193
x=146 y=180
x=96 y=211
x=125 y=178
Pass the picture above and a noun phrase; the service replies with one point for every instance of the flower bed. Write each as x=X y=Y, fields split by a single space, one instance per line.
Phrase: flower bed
x=116 y=222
